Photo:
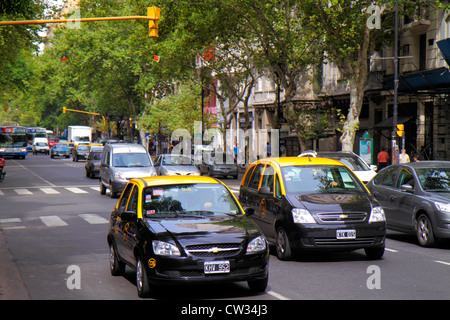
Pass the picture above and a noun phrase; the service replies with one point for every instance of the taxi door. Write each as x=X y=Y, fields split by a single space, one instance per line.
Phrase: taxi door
x=126 y=223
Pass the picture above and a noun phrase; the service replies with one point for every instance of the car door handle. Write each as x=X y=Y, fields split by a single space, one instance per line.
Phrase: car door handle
x=392 y=198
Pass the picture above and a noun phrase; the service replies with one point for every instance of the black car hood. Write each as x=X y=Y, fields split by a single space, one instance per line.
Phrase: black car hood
x=198 y=230
x=332 y=202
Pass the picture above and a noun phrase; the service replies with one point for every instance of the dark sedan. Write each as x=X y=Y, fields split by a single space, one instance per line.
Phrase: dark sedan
x=175 y=230
x=416 y=198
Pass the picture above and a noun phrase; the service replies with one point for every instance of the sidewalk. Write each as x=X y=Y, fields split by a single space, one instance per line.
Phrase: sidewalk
x=11 y=284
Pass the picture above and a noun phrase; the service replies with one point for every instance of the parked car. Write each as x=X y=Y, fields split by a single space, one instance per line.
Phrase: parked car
x=175 y=164
x=40 y=147
x=185 y=230
x=122 y=162
x=92 y=165
x=60 y=150
x=218 y=164
x=416 y=198
x=362 y=170
x=310 y=203
x=80 y=151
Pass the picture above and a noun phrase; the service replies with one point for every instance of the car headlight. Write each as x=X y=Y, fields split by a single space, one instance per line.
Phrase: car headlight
x=162 y=248
x=119 y=176
x=377 y=215
x=302 y=216
x=257 y=245
x=444 y=207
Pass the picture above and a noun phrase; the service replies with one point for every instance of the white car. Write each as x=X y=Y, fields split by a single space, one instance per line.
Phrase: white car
x=362 y=170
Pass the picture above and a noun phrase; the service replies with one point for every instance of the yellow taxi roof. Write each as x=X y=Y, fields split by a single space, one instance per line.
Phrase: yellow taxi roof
x=300 y=161
x=166 y=180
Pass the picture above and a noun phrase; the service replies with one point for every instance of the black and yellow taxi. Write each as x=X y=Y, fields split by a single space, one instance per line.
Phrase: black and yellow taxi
x=303 y=203
x=189 y=229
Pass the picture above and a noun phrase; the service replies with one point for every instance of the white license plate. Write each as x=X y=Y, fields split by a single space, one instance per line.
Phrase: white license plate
x=210 y=267
x=346 y=234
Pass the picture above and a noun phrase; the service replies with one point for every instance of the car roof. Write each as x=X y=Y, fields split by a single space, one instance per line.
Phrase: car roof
x=126 y=147
x=168 y=180
x=300 y=161
x=429 y=164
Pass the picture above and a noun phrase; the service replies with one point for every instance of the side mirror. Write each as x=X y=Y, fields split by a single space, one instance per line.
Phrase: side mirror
x=249 y=211
x=265 y=191
x=128 y=216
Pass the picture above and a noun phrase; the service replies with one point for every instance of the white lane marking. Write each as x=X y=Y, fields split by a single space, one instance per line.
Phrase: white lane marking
x=10 y=220
x=53 y=221
x=49 y=191
x=277 y=295
x=76 y=190
x=2 y=193
x=14 y=228
x=95 y=188
x=391 y=250
x=93 y=218
x=442 y=262
x=23 y=192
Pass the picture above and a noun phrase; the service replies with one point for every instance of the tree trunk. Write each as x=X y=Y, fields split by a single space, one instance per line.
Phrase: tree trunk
x=351 y=124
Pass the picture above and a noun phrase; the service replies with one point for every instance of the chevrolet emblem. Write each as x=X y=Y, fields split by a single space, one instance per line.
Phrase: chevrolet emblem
x=215 y=250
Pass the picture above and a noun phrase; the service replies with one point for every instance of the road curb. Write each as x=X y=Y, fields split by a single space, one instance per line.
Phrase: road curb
x=11 y=283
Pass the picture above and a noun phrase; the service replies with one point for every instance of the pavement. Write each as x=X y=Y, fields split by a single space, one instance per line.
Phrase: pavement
x=11 y=283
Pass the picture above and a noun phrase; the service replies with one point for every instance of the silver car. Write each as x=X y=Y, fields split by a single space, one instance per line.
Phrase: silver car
x=175 y=164
x=122 y=162
x=416 y=198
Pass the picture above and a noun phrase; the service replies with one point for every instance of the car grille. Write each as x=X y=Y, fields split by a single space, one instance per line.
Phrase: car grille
x=334 y=242
x=339 y=217
x=214 y=250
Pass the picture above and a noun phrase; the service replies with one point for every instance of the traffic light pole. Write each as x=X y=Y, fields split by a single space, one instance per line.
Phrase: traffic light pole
x=153 y=14
x=394 y=151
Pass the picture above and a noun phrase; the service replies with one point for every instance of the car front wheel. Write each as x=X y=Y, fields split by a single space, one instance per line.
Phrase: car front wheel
x=284 y=251
x=117 y=267
x=424 y=230
x=259 y=285
x=143 y=287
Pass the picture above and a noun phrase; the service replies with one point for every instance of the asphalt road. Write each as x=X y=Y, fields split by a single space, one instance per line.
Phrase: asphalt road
x=53 y=225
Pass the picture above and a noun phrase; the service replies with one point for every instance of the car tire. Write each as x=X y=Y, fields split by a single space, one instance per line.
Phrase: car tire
x=284 y=251
x=142 y=284
x=424 y=231
x=116 y=267
x=259 y=285
x=374 y=253
x=102 y=188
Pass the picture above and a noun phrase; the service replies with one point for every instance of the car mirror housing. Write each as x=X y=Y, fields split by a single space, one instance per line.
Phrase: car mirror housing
x=128 y=216
x=407 y=188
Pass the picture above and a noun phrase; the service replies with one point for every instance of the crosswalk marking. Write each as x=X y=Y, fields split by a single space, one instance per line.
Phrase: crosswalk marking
x=93 y=218
x=76 y=190
x=53 y=221
x=50 y=221
x=23 y=191
x=2 y=193
x=49 y=191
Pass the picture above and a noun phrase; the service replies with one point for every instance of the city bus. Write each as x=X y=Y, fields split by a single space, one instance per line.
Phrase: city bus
x=13 y=141
x=35 y=132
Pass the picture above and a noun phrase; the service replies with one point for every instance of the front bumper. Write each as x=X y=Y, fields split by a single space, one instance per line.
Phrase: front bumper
x=317 y=237
x=186 y=270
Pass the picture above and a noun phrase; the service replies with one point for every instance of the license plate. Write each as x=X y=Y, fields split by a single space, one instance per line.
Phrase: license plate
x=210 y=267
x=346 y=234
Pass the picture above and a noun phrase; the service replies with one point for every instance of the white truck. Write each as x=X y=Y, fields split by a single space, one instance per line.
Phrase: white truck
x=77 y=134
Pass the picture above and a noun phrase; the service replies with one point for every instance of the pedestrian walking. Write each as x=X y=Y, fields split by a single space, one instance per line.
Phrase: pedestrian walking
x=403 y=157
x=383 y=158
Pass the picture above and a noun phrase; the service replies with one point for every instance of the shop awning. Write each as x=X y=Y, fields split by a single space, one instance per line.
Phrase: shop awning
x=389 y=122
x=433 y=80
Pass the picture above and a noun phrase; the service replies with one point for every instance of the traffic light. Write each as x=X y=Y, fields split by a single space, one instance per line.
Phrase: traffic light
x=154 y=14
x=64 y=109
x=400 y=130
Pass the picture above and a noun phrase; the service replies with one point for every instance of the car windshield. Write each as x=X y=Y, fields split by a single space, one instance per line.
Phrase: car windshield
x=307 y=179
x=177 y=160
x=434 y=179
x=83 y=148
x=131 y=160
x=190 y=200
x=62 y=146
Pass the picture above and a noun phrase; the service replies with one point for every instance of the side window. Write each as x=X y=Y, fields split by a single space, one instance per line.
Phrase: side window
x=277 y=187
x=268 y=177
x=254 y=180
x=249 y=174
x=108 y=162
x=126 y=195
x=133 y=203
x=405 y=177
x=389 y=177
